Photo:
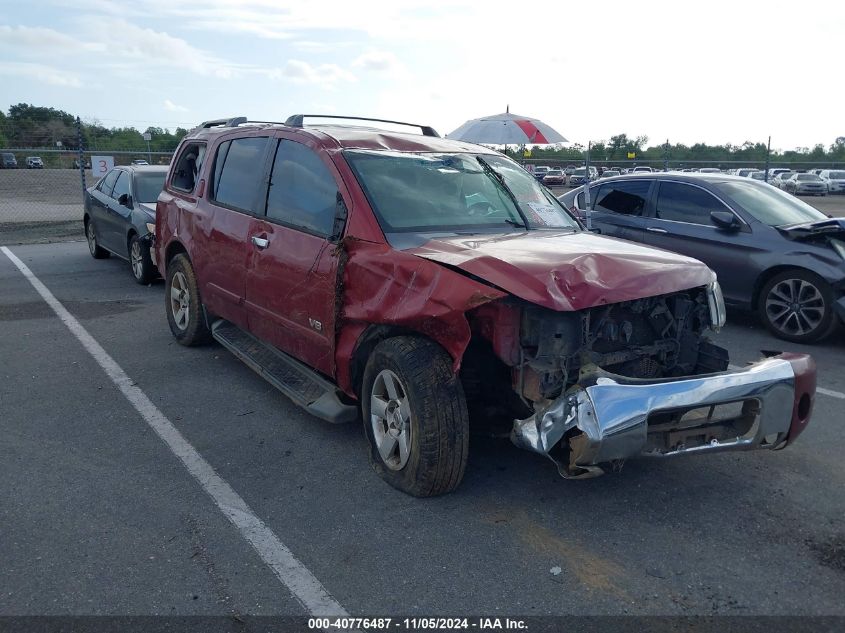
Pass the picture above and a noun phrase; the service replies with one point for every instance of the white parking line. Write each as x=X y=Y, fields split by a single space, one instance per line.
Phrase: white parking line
x=821 y=390
x=294 y=575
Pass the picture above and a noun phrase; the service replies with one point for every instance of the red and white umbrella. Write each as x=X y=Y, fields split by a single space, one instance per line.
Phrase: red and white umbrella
x=507 y=129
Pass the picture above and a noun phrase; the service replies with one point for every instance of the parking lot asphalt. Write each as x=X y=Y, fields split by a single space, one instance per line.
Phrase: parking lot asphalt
x=98 y=516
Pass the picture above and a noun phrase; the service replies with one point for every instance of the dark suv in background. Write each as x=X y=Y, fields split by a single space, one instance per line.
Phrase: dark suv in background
x=772 y=252
x=8 y=161
x=421 y=283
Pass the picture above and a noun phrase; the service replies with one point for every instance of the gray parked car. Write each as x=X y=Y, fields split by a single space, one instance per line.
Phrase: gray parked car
x=806 y=185
x=773 y=253
x=119 y=214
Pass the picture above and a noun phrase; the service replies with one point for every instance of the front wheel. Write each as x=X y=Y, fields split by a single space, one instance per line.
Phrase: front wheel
x=143 y=269
x=415 y=416
x=797 y=306
x=183 y=304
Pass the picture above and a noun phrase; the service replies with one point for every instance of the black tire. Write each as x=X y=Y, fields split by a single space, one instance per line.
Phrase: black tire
x=438 y=420
x=97 y=252
x=191 y=328
x=140 y=261
x=797 y=306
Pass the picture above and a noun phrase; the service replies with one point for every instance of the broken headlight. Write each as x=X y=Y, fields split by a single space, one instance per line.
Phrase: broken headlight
x=716 y=302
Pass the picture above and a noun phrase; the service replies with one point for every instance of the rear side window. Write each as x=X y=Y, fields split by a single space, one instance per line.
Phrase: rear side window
x=107 y=183
x=685 y=203
x=187 y=167
x=237 y=172
x=302 y=191
x=626 y=197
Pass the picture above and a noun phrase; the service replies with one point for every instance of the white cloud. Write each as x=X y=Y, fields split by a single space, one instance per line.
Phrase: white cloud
x=40 y=72
x=326 y=75
x=172 y=107
x=378 y=61
x=128 y=42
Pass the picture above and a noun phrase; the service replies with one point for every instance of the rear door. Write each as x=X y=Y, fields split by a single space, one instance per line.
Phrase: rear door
x=620 y=206
x=222 y=250
x=291 y=286
x=99 y=204
x=681 y=223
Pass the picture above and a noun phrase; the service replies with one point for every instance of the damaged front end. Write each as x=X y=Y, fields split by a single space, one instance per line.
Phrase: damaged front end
x=608 y=418
x=640 y=378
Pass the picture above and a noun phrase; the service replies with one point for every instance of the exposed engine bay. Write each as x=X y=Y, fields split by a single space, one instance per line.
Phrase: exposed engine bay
x=648 y=338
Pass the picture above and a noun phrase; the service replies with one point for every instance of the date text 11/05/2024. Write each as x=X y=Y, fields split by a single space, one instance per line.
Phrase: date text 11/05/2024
x=417 y=624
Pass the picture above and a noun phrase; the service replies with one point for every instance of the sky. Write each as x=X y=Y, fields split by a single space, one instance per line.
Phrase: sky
x=714 y=72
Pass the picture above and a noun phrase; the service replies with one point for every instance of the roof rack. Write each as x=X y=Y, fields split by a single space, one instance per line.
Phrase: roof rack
x=296 y=120
x=233 y=122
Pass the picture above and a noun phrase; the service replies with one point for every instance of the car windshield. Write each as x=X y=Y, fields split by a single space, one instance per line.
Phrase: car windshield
x=810 y=177
x=580 y=171
x=837 y=175
x=554 y=172
x=770 y=205
x=148 y=186
x=412 y=192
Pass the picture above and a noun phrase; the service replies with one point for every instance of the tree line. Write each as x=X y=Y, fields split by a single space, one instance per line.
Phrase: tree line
x=28 y=126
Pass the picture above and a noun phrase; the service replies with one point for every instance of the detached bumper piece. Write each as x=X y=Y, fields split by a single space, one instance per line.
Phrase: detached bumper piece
x=609 y=418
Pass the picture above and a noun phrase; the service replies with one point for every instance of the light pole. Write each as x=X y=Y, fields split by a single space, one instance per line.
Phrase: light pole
x=147 y=137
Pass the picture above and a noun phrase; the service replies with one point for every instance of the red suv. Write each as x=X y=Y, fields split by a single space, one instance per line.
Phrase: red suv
x=423 y=284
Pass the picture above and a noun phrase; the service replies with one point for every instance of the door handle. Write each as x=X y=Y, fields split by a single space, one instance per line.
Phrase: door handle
x=260 y=242
x=656 y=230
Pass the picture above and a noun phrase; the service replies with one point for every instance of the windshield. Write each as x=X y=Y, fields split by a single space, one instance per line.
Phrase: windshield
x=581 y=171
x=453 y=192
x=810 y=177
x=554 y=172
x=770 y=205
x=148 y=186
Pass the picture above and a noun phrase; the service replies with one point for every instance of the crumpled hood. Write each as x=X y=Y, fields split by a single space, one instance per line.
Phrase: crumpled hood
x=149 y=207
x=568 y=271
x=834 y=227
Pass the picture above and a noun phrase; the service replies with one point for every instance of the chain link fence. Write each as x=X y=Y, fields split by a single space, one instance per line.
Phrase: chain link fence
x=43 y=200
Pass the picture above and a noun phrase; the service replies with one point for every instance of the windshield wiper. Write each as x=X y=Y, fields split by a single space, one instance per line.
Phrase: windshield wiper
x=500 y=180
x=515 y=223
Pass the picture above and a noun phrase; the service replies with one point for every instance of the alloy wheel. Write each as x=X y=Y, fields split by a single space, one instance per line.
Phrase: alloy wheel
x=795 y=307
x=390 y=414
x=137 y=260
x=180 y=300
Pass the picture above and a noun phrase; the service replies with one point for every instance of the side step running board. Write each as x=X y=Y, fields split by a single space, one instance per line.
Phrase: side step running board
x=297 y=381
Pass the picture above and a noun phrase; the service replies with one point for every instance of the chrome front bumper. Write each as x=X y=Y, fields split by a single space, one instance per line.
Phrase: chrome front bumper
x=609 y=418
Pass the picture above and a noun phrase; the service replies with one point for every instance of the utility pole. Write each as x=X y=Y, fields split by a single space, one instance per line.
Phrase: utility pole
x=768 y=152
x=587 y=212
x=148 y=136
x=666 y=156
x=81 y=156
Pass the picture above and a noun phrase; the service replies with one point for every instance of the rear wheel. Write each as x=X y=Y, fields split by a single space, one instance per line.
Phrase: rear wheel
x=183 y=304
x=415 y=416
x=797 y=306
x=91 y=236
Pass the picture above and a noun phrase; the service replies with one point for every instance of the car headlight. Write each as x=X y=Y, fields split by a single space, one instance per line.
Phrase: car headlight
x=151 y=227
x=716 y=302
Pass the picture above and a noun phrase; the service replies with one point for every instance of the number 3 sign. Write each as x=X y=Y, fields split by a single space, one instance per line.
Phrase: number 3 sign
x=100 y=165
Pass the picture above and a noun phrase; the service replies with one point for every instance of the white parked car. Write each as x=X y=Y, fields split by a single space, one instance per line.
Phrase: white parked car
x=779 y=181
x=806 y=184
x=835 y=179
x=746 y=171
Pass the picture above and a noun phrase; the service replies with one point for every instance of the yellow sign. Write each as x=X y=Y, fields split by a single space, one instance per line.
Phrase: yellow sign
x=526 y=153
x=632 y=154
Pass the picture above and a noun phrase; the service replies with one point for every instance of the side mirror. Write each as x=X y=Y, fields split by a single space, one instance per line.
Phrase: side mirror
x=125 y=200
x=340 y=215
x=724 y=220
